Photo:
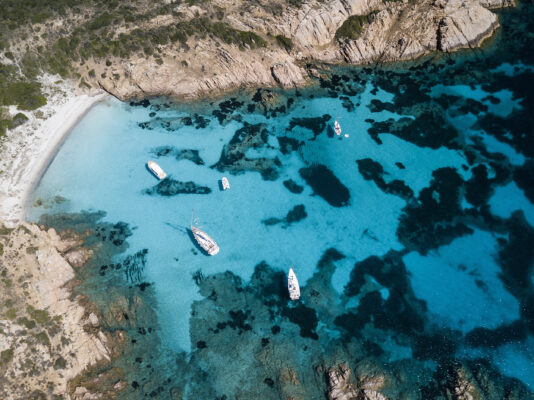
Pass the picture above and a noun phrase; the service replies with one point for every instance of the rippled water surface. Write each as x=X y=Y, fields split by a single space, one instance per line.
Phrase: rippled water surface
x=412 y=238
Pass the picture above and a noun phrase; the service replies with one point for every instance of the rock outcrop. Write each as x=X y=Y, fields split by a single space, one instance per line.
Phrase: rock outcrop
x=403 y=32
x=46 y=337
x=342 y=387
x=396 y=31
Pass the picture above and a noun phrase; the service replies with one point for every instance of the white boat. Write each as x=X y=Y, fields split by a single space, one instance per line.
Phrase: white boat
x=346 y=135
x=293 y=285
x=337 y=127
x=156 y=170
x=204 y=240
x=225 y=183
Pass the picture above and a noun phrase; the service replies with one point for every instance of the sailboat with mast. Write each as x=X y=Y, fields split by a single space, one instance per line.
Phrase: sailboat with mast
x=293 y=285
x=337 y=127
x=203 y=239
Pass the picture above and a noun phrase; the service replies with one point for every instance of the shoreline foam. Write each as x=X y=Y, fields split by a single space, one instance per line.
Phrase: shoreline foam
x=29 y=149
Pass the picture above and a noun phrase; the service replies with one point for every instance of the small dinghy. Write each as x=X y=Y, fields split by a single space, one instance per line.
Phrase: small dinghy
x=337 y=128
x=224 y=183
x=156 y=170
x=346 y=135
x=204 y=240
x=293 y=285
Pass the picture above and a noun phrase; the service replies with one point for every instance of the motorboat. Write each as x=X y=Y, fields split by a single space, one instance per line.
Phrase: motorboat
x=225 y=184
x=156 y=170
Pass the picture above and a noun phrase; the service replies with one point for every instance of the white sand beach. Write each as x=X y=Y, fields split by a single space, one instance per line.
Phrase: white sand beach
x=26 y=151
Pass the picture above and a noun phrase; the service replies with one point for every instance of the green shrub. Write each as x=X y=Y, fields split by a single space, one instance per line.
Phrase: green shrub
x=100 y=21
x=11 y=314
x=28 y=323
x=18 y=120
x=353 y=26
x=41 y=316
x=6 y=356
x=60 y=363
x=43 y=338
x=26 y=95
x=284 y=42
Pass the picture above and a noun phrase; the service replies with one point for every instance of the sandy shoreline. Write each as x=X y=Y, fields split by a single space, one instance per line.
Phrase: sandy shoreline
x=29 y=149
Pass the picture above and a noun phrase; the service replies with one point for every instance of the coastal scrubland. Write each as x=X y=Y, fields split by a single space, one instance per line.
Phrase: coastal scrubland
x=139 y=48
x=62 y=37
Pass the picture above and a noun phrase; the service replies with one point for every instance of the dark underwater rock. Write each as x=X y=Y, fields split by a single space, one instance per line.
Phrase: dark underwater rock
x=524 y=178
x=379 y=106
x=296 y=214
x=173 y=124
x=233 y=154
x=372 y=170
x=172 y=187
x=428 y=128
x=305 y=318
x=178 y=154
x=287 y=145
x=325 y=184
x=435 y=219
x=514 y=332
x=315 y=124
x=227 y=109
x=515 y=129
x=292 y=186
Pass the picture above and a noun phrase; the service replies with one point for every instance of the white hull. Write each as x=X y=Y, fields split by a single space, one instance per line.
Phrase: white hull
x=225 y=184
x=337 y=128
x=156 y=170
x=293 y=285
x=204 y=241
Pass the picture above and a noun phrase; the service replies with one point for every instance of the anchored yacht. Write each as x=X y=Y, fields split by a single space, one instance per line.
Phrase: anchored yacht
x=337 y=127
x=204 y=240
x=225 y=184
x=156 y=170
x=293 y=285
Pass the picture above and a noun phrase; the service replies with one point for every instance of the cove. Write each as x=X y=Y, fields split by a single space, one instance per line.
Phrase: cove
x=410 y=237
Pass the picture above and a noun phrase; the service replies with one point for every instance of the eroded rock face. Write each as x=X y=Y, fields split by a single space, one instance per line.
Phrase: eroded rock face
x=397 y=31
x=405 y=31
x=78 y=257
x=340 y=385
x=44 y=329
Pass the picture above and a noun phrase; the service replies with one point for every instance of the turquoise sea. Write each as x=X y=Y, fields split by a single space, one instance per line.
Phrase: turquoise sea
x=412 y=238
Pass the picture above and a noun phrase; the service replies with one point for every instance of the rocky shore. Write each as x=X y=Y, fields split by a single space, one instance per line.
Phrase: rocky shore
x=393 y=31
x=47 y=336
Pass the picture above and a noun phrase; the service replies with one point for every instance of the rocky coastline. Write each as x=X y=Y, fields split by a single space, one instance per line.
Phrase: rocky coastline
x=393 y=31
x=63 y=330
x=47 y=336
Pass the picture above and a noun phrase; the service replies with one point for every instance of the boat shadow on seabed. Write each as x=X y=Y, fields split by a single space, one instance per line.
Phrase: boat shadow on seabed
x=189 y=232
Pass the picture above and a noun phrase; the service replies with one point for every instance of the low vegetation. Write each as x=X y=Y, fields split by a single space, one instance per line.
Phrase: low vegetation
x=353 y=26
x=61 y=36
x=284 y=42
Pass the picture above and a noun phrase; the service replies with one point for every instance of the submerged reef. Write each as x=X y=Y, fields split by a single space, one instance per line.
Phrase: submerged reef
x=296 y=214
x=173 y=187
x=366 y=326
x=325 y=184
x=178 y=154
x=234 y=160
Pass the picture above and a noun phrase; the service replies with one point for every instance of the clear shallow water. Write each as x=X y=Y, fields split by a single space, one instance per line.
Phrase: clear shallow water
x=431 y=233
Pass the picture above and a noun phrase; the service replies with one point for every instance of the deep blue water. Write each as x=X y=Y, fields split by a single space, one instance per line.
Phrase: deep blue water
x=412 y=238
